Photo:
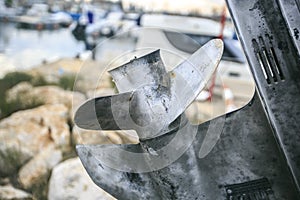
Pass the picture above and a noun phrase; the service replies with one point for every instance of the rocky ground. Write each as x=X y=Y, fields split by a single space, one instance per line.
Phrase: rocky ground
x=37 y=145
x=37 y=142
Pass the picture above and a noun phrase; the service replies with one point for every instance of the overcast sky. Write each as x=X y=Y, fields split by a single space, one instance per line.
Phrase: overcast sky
x=181 y=6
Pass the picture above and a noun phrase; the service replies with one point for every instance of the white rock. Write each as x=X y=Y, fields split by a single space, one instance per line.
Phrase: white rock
x=37 y=128
x=26 y=133
x=69 y=180
x=82 y=136
x=54 y=95
x=101 y=92
x=10 y=193
x=39 y=167
x=18 y=91
x=26 y=94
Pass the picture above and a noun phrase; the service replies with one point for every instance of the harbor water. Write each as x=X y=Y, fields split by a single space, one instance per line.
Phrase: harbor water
x=24 y=48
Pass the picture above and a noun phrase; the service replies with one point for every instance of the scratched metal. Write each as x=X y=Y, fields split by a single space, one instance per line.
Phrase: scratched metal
x=156 y=98
x=259 y=140
x=246 y=151
x=266 y=31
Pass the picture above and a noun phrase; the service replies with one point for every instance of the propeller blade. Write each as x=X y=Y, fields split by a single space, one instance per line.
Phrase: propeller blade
x=156 y=98
x=97 y=114
x=190 y=77
x=146 y=70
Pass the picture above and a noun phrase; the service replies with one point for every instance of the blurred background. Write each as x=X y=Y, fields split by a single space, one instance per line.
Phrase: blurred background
x=55 y=54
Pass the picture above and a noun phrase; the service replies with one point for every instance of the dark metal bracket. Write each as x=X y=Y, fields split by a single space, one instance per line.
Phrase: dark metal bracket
x=258 y=141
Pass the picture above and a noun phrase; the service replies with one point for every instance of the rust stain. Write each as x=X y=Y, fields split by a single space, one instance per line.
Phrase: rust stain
x=173 y=75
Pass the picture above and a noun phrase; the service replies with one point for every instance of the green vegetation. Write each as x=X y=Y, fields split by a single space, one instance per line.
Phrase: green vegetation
x=7 y=108
x=39 y=190
x=7 y=82
x=11 y=79
x=67 y=81
x=39 y=80
x=12 y=159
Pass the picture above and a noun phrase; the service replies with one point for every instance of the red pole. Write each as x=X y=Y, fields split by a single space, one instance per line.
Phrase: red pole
x=222 y=22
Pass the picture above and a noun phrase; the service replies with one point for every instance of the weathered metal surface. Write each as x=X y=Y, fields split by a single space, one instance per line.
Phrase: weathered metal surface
x=291 y=13
x=273 y=55
x=146 y=70
x=152 y=101
x=258 y=141
x=245 y=151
